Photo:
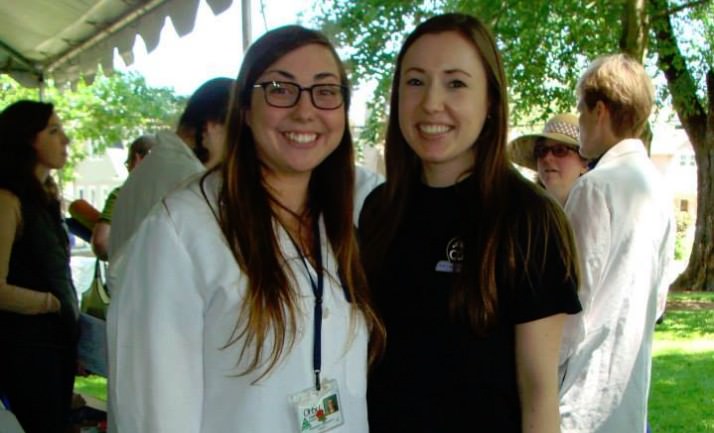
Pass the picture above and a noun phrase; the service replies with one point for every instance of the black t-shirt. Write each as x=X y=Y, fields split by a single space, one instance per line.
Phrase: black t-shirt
x=436 y=374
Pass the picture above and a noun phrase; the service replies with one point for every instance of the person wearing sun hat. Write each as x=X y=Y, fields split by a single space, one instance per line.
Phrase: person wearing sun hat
x=552 y=154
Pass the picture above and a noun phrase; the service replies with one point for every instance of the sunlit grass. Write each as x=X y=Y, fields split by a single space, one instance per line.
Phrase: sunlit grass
x=682 y=392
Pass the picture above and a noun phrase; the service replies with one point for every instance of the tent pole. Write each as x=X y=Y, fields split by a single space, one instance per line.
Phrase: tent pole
x=245 y=13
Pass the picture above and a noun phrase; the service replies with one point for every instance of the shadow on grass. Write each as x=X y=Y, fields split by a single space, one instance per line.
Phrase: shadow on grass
x=682 y=393
x=687 y=324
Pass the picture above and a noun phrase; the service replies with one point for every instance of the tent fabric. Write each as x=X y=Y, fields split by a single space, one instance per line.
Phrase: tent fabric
x=66 y=39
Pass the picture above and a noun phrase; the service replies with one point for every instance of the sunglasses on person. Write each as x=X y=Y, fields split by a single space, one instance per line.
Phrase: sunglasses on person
x=284 y=94
x=558 y=150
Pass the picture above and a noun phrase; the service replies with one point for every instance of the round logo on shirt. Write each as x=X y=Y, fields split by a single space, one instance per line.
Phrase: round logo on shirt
x=455 y=250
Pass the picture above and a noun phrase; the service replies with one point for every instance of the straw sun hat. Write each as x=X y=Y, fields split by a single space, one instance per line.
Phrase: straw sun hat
x=561 y=127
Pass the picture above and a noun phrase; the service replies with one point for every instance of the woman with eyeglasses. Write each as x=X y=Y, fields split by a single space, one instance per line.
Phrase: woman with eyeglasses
x=553 y=154
x=241 y=304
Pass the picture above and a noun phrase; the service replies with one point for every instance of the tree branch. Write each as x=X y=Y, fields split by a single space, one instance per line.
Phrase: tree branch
x=679 y=79
x=680 y=8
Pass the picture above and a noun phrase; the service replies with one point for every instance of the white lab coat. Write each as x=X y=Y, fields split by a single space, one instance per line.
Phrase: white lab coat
x=622 y=216
x=178 y=293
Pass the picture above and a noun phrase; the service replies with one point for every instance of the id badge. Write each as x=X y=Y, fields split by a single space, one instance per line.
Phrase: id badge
x=318 y=411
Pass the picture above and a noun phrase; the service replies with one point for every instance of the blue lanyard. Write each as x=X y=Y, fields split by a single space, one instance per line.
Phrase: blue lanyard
x=317 y=290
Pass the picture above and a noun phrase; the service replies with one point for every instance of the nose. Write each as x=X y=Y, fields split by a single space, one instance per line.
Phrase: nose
x=549 y=156
x=304 y=109
x=433 y=99
x=65 y=139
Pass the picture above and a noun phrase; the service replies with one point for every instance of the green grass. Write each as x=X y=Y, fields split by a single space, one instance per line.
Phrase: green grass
x=95 y=386
x=682 y=391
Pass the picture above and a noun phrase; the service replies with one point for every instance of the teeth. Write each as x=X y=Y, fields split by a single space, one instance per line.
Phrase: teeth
x=299 y=137
x=433 y=128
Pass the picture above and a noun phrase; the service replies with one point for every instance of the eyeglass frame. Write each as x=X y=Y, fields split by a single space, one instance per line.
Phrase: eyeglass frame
x=343 y=92
x=541 y=150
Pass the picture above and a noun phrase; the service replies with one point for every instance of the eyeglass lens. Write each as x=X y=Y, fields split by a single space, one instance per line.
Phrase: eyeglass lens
x=558 y=150
x=285 y=94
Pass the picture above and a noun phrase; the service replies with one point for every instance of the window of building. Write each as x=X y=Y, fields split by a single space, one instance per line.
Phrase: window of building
x=684 y=205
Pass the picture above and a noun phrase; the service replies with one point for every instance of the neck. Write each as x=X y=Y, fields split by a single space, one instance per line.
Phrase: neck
x=41 y=172
x=446 y=173
x=290 y=193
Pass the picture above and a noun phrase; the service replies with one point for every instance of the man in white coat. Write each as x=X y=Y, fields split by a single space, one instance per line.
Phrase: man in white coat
x=622 y=216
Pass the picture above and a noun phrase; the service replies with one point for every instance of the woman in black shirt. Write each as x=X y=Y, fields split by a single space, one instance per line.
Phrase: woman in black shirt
x=472 y=267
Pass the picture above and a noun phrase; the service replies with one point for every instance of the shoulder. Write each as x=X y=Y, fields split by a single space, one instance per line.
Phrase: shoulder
x=9 y=203
x=8 y=199
x=195 y=200
x=373 y=201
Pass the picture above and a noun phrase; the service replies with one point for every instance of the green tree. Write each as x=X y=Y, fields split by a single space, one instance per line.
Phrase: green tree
x=112 y=110
x=546 y=44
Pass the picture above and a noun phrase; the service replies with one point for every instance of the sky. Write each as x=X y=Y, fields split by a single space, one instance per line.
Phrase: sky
x=214 y=47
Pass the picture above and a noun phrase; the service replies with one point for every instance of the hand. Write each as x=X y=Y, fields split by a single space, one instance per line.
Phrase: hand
x=52 y=304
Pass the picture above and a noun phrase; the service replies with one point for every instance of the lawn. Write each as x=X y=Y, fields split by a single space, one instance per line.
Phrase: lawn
x=682 y=393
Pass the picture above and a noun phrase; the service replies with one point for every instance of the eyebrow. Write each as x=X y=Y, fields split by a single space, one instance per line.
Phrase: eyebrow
x=447 y=71
x=286 y=74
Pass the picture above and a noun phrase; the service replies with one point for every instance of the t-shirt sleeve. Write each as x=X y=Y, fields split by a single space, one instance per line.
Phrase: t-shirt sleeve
x=547 y=288
x=106 y=215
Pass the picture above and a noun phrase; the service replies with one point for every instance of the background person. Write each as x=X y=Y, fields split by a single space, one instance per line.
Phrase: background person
x=621 y=212
x=222 y=288
x=553 y=155
x=472 y=267
x=38 y=302
x=138 y=149
x=197 y=145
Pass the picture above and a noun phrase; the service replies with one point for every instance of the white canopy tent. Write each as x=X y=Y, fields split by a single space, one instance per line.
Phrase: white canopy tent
x=66 y=39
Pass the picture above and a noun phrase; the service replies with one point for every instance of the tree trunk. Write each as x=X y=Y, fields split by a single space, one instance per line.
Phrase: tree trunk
x=635 y=28
x=699 y=274
x=698 y=122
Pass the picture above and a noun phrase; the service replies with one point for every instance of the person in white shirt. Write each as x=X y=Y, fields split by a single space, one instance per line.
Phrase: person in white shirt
x=197 y=145
x=622 y=216
x=241 y=303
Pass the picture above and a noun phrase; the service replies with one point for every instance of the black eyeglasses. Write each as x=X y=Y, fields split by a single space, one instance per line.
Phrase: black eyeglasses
x=284 y=94
x=558 y=150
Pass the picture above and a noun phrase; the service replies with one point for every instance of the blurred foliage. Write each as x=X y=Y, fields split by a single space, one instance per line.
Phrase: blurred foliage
x=112 y=111
x=546 y=44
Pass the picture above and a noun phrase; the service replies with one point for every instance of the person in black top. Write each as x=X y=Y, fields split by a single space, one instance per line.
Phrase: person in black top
x=38 y=301
x=472 y=267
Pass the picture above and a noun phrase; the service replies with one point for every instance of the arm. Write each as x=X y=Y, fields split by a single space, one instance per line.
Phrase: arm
x=13 y=298
x=537 y=349
x=100 y=240
x=155 y=333
x=589 y=215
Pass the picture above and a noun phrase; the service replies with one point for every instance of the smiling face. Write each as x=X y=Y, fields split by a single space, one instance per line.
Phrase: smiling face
x=51 y=146
x=293 y=141
x=443 y=102
x=559 y=174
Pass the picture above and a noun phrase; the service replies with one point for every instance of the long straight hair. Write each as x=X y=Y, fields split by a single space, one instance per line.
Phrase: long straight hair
x=491 y=222
x=20 y=123
x=247 y=218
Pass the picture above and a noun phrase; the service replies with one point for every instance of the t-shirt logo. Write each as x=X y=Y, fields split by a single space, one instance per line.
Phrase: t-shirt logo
x=454 y=256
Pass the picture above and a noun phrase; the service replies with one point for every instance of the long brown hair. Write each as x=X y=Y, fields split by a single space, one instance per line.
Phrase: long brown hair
x=20 y=123
x=247 y=218
x=499 y=206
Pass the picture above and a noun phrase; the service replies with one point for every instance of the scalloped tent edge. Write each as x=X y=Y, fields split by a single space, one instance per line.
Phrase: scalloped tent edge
x=68 y=39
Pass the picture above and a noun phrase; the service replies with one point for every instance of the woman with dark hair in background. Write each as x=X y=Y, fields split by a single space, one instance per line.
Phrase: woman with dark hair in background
x=241 y=304
x=472 y=267
x=38 y=302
